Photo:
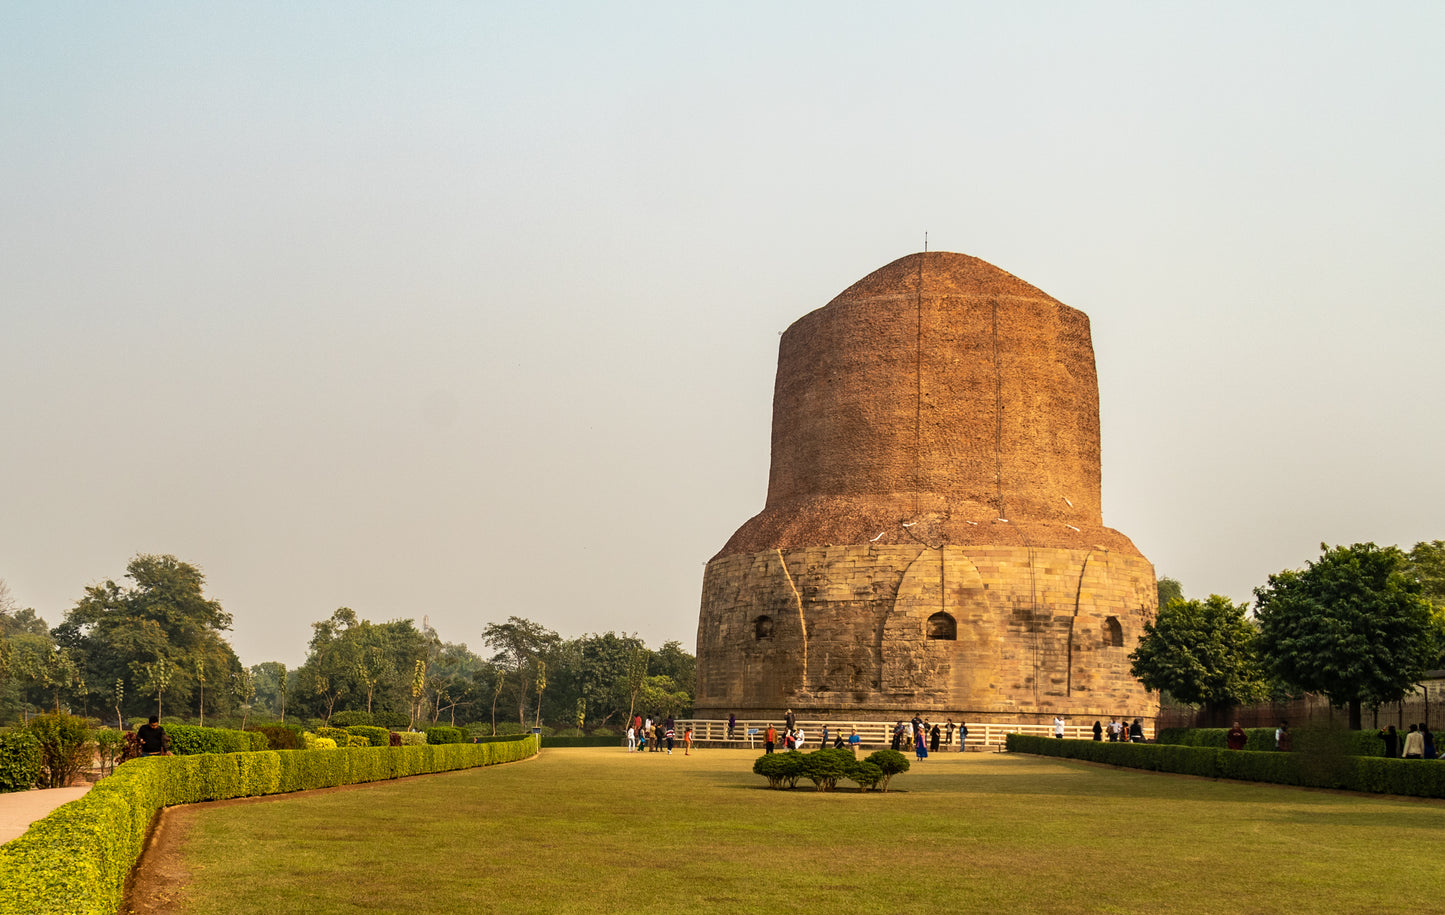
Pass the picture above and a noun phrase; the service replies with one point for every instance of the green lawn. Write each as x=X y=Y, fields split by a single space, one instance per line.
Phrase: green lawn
x=598 y=830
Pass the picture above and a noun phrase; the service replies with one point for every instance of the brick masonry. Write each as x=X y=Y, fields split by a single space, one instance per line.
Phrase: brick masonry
x=932 y=537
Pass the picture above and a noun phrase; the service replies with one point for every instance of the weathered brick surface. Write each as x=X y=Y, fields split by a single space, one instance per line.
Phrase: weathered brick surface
x=935 y=451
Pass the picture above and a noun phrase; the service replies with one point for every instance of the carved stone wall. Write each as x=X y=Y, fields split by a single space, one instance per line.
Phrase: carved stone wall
x=935 y=471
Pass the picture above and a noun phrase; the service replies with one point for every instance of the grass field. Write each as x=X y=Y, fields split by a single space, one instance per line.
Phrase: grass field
x=597 y=830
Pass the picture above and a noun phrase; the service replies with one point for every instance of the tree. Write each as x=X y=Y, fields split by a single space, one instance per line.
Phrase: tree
x=243 y=687
x=115 y=632
x=1202 y=653
x=520 y=644
x=1169 y=590
x=1351 y=625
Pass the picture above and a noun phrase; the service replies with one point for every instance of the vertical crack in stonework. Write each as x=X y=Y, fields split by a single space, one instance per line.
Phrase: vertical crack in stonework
x=802 y=621
x=1078 y=596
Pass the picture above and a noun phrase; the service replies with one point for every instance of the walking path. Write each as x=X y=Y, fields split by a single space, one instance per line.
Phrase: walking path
x=19 y=809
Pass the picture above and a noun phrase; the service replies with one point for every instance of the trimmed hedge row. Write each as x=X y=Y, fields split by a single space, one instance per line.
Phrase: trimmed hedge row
x=1355 y=743
x=75 y=861
x=187 y=740
x=1323 y=769
x=589 y=741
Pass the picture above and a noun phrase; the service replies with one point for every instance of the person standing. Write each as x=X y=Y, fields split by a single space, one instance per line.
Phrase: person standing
x=933 y=737
x=948 y=733
x=1414 y=744
x=1392 y=741
x=1098 y=730
x=732 y=725
x=1136 y=731
x=1429 y=741
x=670 y=734
x=1058 y=727
x=789 y=720
x=898 y=735
x=631 y=739
x=962 y=737
x=687 y=741
x=824 y=744
x=153 y=739
x=770 y=737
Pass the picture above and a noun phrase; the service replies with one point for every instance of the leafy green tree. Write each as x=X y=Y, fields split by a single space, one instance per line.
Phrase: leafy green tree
x=661 y=695
x=1351 y=625
x=1169 y=590
x=115 y=632
x=520 y=644
x=1202 y=653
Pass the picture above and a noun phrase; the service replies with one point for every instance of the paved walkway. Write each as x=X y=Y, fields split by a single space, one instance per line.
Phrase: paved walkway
x=19 y=809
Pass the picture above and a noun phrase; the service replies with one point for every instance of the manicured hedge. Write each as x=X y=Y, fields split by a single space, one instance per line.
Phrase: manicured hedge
x=589 y=741
x=280 y=736
x=190 y=741
x=1323 y=769
x=443 y=734
x=376 y=737
x=1354 y=743
x=75 y=861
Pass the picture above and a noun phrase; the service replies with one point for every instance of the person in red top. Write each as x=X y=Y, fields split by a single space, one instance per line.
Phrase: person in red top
x=769 y=738
x=1236 y=737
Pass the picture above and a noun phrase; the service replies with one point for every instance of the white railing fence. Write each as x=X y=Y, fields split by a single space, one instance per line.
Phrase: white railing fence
x=875 y=734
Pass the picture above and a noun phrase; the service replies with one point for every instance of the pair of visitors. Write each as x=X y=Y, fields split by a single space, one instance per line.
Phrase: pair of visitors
x=898 y=735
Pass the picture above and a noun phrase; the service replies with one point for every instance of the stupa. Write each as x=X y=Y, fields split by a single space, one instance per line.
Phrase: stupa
x=932 y=538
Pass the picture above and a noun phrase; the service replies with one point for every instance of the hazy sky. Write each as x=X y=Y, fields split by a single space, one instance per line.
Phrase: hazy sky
x=471 y=310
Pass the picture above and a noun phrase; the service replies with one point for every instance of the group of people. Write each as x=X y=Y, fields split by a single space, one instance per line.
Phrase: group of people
x=1419 y=742
x=1118 y=730
x=925 y=736
x=646 y=735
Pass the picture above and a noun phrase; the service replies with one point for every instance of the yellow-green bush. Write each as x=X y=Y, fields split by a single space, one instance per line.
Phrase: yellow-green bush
x=75 y=861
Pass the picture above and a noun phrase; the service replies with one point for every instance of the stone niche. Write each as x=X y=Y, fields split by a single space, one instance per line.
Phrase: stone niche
x=932 y=538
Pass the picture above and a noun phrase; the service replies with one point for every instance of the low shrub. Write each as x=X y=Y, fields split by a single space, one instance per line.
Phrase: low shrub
x=337 y=734
x=392 y=720
x=351 y=719
x=570 y=732
x=865 y=775
x=65 y=747
x=411 y=738
x=441 y=733
x=77 y=859
x=782 y=770
x=890 y=763
x=376 y=737
x=20 y=760
x=824 y=767
x=108 y=744
x=280 y=736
